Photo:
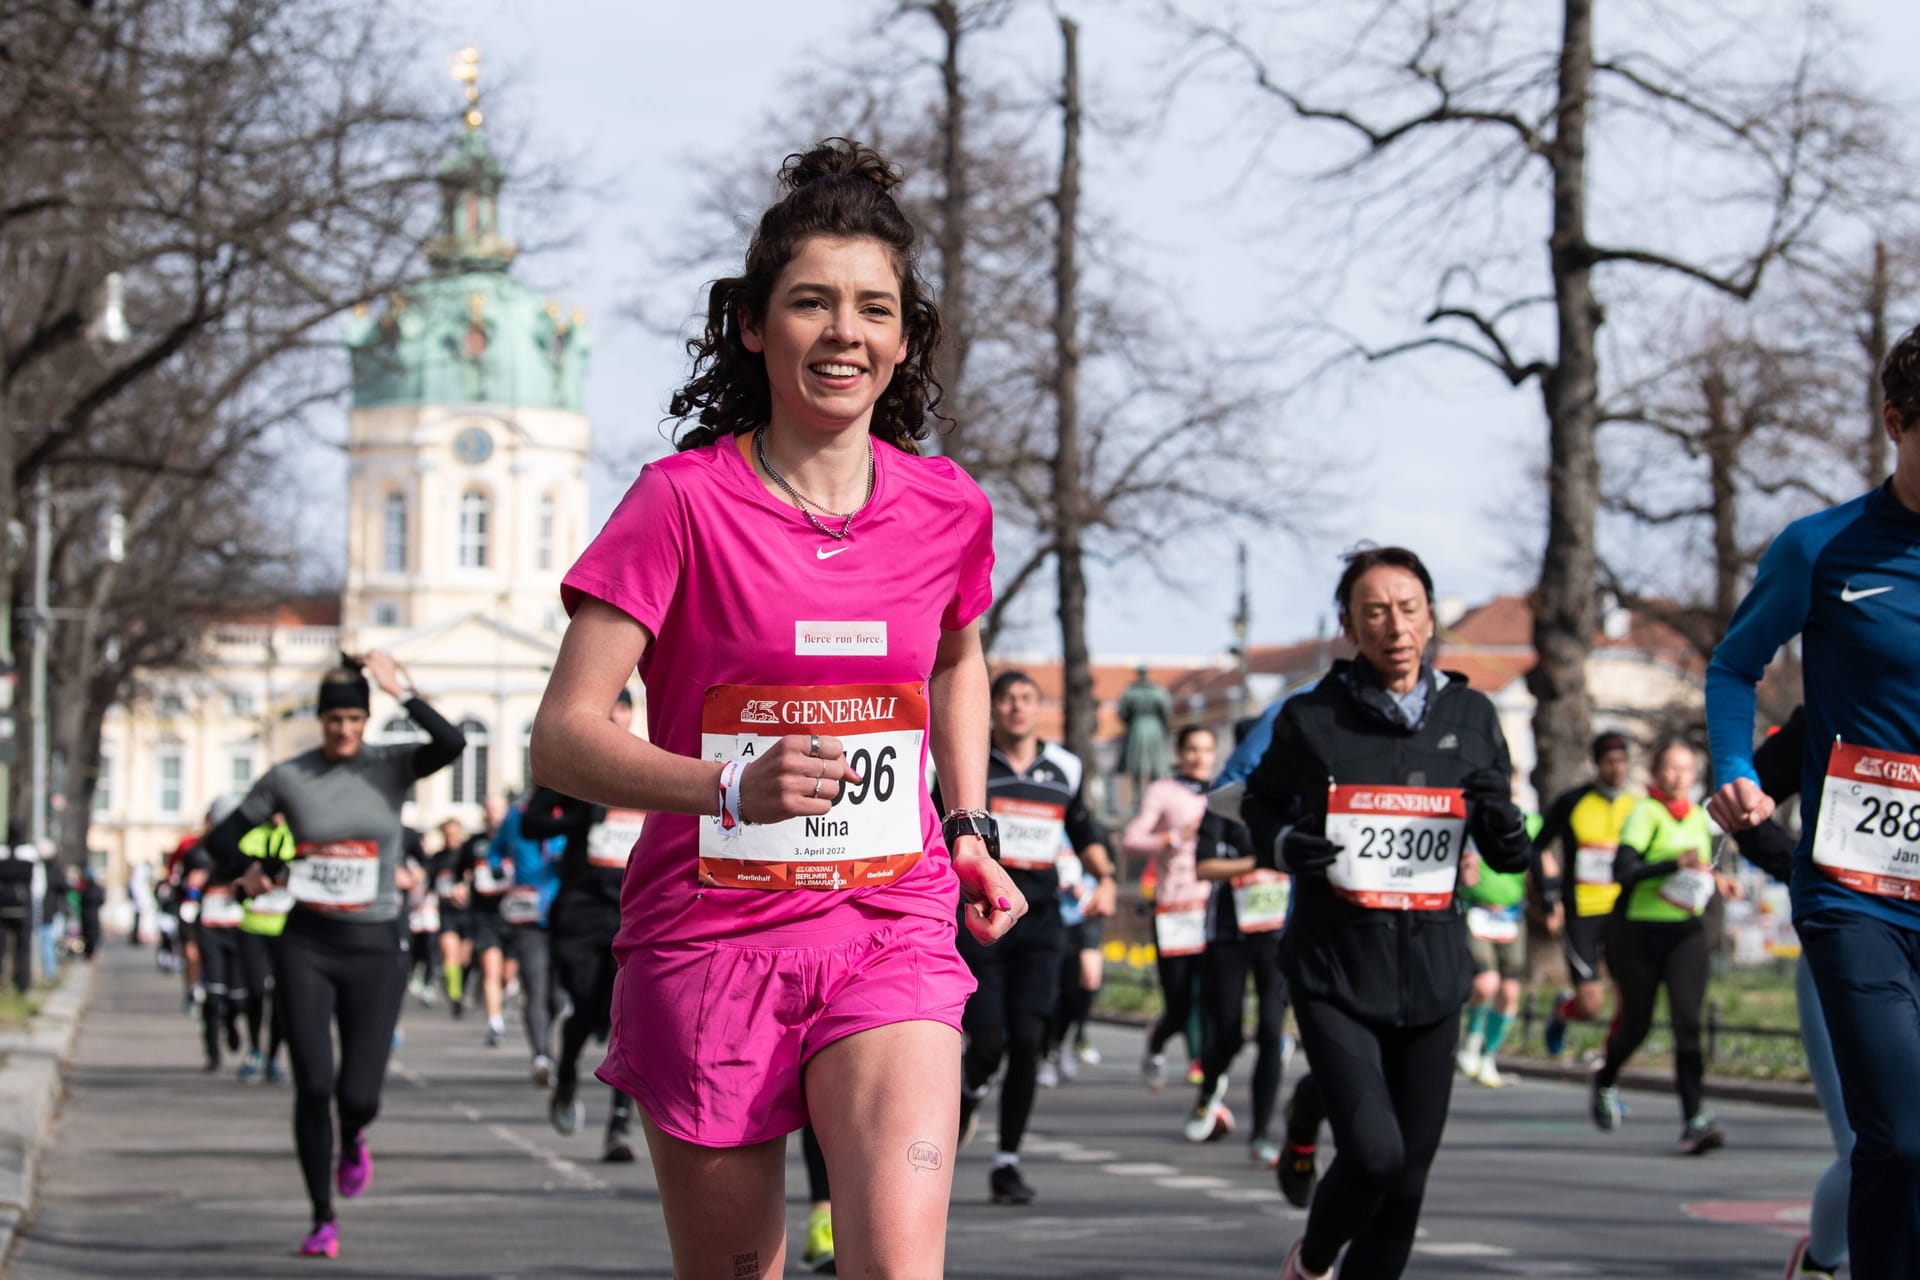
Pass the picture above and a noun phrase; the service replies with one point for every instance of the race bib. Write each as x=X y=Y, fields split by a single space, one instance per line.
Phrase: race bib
x=219 y=909
x=1032 y=832
x=1180 y=931
x=1260 y=900
x=521 y=905
x=611 y=840
x=274 y=902
x=335 y=875
x=872 y=833
x=1690 y=889
x=1402 y=845
x=1593 y=864
x=1494 y=924
x=424 y=918
x=1868 y=832
x=189 y=912
x=490 y=882
x=443 y=884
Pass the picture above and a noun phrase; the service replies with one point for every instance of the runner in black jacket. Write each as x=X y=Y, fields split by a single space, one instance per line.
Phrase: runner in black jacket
x=581 y=924
x=1372 y=783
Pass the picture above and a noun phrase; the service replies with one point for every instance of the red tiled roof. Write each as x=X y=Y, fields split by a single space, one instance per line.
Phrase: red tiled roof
x=312 y=611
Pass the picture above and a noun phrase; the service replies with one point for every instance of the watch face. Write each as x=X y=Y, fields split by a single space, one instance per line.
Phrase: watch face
x=473 y=446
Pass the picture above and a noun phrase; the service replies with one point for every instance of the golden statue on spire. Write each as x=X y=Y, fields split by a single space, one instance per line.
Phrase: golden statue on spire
x=466 y=69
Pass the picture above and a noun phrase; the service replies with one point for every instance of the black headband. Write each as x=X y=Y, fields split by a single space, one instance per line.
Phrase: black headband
x=339 y=694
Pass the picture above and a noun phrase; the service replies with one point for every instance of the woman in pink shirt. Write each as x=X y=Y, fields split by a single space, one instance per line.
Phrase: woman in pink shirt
x=800 y=592
x=1165 y=830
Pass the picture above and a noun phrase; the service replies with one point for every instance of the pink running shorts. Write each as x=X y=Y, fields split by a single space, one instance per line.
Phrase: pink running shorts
x=712 y=1038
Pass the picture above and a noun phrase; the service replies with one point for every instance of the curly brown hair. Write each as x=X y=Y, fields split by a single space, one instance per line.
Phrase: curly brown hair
x=839 y=188
x=1900 y=378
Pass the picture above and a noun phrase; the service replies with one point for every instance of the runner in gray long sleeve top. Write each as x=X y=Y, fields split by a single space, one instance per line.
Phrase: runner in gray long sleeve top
x=343 y=956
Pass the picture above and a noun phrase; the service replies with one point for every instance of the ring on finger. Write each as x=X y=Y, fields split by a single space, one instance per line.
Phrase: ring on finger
x=813 y=745
x=815 y=793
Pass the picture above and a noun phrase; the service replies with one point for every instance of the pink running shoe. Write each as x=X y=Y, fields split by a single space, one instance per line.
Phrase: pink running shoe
x=356 y=1168
x=323 y=1242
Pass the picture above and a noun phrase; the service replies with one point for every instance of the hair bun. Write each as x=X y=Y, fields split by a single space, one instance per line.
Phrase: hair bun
x=838 y=158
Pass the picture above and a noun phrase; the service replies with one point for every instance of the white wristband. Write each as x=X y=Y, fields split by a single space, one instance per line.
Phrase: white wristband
x=729 y=820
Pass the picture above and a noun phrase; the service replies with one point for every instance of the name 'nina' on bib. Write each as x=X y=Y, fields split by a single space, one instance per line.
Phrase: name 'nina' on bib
x=872 y=833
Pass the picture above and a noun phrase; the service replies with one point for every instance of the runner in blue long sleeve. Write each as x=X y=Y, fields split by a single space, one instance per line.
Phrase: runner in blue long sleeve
x=1847 y=582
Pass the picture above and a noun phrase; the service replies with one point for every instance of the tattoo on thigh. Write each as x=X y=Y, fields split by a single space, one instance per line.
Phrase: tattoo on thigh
x=746 y=1266
x=923 y=1155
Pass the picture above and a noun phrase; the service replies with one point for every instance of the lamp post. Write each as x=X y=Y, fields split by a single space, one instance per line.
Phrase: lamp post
x=42 y=616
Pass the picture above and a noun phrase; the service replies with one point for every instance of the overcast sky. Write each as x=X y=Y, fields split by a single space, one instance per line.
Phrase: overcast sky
x=1435 y=454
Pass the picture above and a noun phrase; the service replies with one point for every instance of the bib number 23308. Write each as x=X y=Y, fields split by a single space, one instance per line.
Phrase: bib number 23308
x=1868 y=836
x=872 y=833
x=1401 y=845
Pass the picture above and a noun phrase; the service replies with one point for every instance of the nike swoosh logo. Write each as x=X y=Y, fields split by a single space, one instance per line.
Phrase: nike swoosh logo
x=826 y=553
x=1849 y=595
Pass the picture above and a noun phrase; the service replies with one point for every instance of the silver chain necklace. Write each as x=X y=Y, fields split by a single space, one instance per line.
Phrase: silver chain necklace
x=807 y=504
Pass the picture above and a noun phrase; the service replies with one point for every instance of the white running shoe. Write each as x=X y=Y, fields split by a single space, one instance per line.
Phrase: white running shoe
x=1468 y=1059
x=1489 y=1074
x=1069 y=1066
x=1087 y=1052
x=1153 y=1070
x=1047 y=1076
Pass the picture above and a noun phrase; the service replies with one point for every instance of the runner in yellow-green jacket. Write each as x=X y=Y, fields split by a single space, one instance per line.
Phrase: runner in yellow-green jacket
x=265 y=916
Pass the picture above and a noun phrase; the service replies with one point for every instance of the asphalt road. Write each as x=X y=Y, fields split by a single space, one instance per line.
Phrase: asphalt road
x=158 y=1170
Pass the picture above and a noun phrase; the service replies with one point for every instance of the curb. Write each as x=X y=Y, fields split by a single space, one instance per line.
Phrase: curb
x=1768 y=1092
x=31 y=1087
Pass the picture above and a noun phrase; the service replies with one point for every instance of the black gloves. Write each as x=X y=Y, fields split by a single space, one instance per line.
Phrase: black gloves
x=1303 y=852
x=1498 y=828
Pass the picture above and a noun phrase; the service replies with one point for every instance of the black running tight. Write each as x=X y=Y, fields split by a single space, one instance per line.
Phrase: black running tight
x=1179 y=976
x=353 y=975
x=1386 y=1092
x=225 y=985
x=584 y=968
x=1642 y=956
x=1224 y=970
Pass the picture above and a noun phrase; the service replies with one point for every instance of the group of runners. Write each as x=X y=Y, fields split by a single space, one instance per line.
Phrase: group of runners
x=864 y=888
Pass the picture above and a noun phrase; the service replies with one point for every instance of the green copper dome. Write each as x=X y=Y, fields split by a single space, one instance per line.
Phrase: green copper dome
x=469 y=333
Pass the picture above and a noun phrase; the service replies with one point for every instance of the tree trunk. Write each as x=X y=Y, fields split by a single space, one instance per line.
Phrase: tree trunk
x=1069 y=499
x=1723 y=450
x=1565 y=608
x=1873 y=342
x=955 y=316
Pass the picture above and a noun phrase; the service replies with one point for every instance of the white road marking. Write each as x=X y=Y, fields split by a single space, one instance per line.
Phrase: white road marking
x=1463 y=1249
x=1252 y=1195
x=1144 y=1169
x=1192 y=1182
x=1087 y=1155
x=559 y=1164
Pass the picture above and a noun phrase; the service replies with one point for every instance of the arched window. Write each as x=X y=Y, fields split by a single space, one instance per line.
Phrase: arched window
x=394 y=540
x=543 y=535
x=470 y=770
x=475 y=510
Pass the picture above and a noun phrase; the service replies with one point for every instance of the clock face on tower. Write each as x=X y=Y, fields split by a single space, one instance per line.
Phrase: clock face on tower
x=473 y=446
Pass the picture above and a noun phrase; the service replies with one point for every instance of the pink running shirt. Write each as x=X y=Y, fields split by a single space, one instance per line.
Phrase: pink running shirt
x=762 y=625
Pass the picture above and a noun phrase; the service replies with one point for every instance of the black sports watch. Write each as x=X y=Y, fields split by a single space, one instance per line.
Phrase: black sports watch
x=972 y=822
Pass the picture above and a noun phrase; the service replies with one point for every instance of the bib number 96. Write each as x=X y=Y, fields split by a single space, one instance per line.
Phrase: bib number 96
x=876 y=775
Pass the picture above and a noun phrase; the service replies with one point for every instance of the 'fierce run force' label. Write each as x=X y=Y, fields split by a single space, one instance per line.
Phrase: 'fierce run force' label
x=871 y=835
x=1868 y=837
x=1401 y=845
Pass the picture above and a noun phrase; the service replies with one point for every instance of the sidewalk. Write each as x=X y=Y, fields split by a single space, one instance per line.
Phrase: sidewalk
x=31 y=1086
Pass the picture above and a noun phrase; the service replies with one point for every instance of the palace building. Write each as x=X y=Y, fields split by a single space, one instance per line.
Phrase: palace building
x=467 y=448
